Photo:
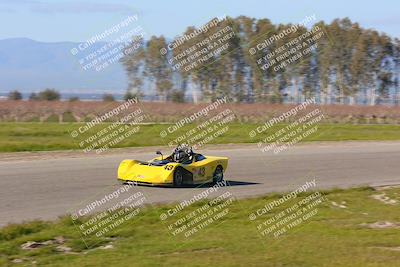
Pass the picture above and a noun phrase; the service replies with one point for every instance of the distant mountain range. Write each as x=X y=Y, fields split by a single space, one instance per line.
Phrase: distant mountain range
x=28 y=65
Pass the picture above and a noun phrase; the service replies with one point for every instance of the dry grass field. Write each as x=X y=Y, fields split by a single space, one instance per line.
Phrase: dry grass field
x=79 y=111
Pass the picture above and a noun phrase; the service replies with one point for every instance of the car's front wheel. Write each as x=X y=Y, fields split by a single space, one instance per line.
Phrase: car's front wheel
x=218 y=175
x=178 y=177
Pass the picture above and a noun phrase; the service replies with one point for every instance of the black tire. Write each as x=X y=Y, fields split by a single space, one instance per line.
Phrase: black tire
x=178 y=177
x=218 y=175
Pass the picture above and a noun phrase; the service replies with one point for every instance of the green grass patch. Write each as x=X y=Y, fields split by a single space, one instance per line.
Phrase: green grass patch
x=335 y=236
x=53 y=118
x=55 y=136
x=68 y=117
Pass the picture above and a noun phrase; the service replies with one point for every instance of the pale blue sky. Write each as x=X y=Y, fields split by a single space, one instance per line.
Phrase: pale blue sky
x=71 y=20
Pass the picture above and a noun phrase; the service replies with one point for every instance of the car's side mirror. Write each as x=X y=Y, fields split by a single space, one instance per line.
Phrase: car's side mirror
x=159 y=153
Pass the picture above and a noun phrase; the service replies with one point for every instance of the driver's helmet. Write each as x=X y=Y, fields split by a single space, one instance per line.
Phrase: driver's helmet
x=183 y=153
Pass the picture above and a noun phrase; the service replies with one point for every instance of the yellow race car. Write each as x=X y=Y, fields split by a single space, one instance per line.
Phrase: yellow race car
x=182 y=167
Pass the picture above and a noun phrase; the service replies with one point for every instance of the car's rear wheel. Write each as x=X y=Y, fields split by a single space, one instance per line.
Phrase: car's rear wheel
x=178 y=177
x=218 y=175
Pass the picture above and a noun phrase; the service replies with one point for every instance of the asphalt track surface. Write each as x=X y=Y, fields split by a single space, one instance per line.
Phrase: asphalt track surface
x=46 y=185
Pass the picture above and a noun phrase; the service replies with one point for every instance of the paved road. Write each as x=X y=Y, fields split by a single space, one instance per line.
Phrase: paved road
x=51 y=184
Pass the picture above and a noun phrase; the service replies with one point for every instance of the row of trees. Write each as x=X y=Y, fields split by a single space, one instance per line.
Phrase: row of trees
x=47 y=94
x=53 y=95
x=350 y=65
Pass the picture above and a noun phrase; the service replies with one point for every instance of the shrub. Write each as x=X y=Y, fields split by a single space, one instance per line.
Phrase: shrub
x=33 y=96
x=15 y=95
x=49 y=95
x=108 y=98
x=177 y=96
x=129 y=95
x=73 y=99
